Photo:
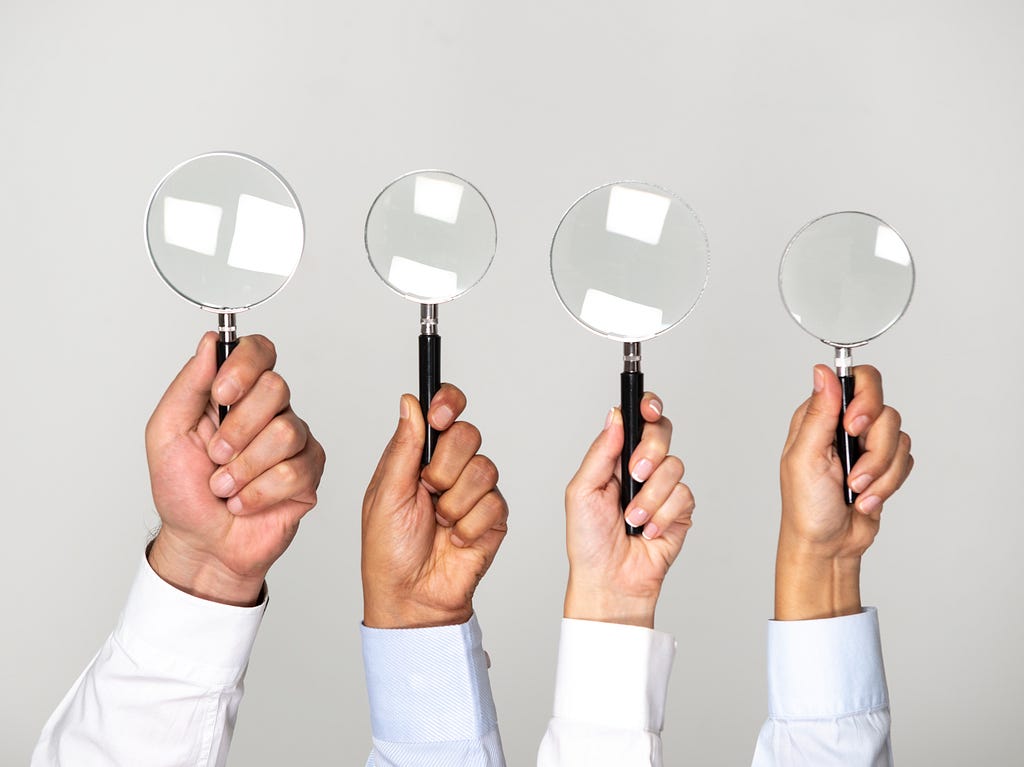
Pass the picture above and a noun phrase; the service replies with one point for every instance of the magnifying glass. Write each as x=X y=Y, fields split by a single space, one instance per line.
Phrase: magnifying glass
x=225 y=232
x=430 y=236
x=846 y=278
x=629 y=261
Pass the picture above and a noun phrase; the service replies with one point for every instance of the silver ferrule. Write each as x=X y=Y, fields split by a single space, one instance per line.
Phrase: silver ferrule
x=631 y=357
x=226 y=327
x=844 y=361
x=428 y=319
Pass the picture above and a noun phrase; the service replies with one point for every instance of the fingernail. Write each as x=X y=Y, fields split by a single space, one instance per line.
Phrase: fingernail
x=403 y=408
x=222 y=484
x=441 y=520
x=656 y=406
x=443 y=417
x=819 y=380
x=642 y=470
x=221 y=452
x=870 y=504
x=457 y=540
x=228 y=391
x=608 y=418
x=650 y=531
x=860 y=483
x=235 y=505
x=860 y=423
x=637 y=517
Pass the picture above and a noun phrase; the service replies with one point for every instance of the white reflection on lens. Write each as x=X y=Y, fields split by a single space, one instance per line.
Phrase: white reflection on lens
x=437 y=199
x=890 y=247
x=410 y=276
x=267 y=238
x=192 y=225
x=636 y=214
x=612 y=314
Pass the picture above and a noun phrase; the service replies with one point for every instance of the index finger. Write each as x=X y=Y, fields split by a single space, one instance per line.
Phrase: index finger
x=867 y=403
x=253 y=356
x=446 y=406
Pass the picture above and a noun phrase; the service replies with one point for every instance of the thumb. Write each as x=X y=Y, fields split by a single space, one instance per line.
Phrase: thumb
x=817 y=430
x=399 y=466
x=186 y=399
x=603 y=457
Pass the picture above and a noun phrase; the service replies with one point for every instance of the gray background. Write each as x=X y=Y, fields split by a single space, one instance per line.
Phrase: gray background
x=761 y=115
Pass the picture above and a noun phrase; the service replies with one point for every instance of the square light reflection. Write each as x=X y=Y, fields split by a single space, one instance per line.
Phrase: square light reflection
x=267 y=238
x=612 y=314
x=637 y=214
x=890 y=247
x=437 y=199
x=420 y=279
x=192 y=225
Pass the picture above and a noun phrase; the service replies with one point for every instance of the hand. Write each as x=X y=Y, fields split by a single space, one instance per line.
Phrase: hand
x=429 y=532
x=614 y=577
x=229 y=497
x=821 y=539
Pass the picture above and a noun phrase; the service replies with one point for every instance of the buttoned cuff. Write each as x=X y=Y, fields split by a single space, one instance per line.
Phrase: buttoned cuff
x=428 y=685
x=613 y=675
x=825 y=668
x=186 y=637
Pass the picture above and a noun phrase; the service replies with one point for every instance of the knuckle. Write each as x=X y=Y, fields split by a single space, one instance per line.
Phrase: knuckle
x=286 y=473
x=447 y=508
x=674 y=465
x=275 y=384
x=465 y=433
x=484 y=470
x=266 y=344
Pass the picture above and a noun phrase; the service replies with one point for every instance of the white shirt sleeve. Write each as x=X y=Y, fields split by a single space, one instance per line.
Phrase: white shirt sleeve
x=827 y=699
x=430 y=698
x=610 y=691
x=163 y=690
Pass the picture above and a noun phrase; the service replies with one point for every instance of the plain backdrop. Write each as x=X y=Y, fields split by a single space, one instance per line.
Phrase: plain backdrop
x=760 y=115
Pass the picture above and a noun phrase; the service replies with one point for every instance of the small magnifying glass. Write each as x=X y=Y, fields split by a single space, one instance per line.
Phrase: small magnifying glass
x=846 y=278
x=430 y=236
x=629 y=261
x=225 y=232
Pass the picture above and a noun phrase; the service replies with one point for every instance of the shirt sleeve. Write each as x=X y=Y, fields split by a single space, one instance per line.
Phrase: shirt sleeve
x=430 y=698
x=164 y=688
x=610 y=691
x=827 y=699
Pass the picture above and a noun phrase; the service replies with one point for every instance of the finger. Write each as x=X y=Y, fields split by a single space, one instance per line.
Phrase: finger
x=602 y=459
x=673 y=519
x=651 y=407
x=880 y=444
x=867 y=402
x=653 y=448
x=489 y=513
x=446 y=406
x=399 y=465
x=293 y=480
x=185 y=400
x=478 y=478
x=242 y=369
x=455 y=447
x=284 y=437
x=267 y=397
x=816 y=431
x=878 y=492
x=655 y=492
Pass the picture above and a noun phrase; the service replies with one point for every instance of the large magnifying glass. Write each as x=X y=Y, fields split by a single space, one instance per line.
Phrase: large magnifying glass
x=430 y=236
x=225 y=232
x=846 y=278
x=629 y=261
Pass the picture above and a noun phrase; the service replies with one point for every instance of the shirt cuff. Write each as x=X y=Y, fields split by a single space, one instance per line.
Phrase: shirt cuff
x=429 y=684
x=825 y=668
x=204 y=642
x=613 y=675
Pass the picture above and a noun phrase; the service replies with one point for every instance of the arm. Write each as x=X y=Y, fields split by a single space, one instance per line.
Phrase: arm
x=607 y=712
x=166 y=685
x=828 y=702
x=429 y=535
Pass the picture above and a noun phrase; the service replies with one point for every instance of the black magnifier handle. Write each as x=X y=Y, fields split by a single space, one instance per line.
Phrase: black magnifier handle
x=847 y=446
x=632 y=390
x=227 y=340
x=430 y=373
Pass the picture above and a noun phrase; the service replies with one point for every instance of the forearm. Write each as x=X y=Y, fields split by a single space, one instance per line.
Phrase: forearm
x=809 y=584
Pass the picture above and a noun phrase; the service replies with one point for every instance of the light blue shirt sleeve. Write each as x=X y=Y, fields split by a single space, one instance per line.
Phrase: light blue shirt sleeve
x=430 y=698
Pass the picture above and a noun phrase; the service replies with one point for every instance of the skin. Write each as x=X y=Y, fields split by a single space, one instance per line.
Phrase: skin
x=821 y=539
x=429 y=532
x=614 y=577
x=230 y=496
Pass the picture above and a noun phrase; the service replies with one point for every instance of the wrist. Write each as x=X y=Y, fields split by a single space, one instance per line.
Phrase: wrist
x=201 y=575
x=812 y=584
x=592 y=602
x=381 y=612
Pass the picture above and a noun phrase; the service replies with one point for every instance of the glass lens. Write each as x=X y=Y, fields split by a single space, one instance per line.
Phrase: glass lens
x=629 y=260
x=846 y=278
x=224 y=231
x=430 y=236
